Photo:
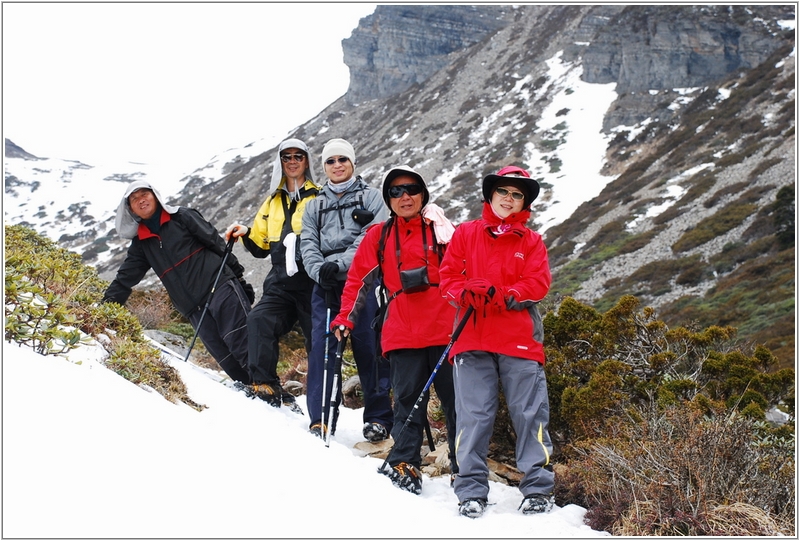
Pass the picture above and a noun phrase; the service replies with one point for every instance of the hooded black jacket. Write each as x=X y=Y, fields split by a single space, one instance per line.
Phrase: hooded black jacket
x=185 y=255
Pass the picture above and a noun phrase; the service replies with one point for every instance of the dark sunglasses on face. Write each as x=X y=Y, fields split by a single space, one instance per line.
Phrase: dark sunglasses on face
x=396 y=192
x=286 y=158
x=502 y=192
x=340 y=159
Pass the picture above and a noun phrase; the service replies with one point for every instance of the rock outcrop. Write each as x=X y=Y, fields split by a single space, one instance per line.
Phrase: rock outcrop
x=399 y=46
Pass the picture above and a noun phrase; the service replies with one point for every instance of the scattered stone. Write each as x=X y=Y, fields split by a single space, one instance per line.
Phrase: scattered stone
x=374 y=449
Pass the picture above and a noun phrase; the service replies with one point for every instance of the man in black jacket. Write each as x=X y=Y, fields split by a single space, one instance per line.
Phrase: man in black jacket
x=185 y=252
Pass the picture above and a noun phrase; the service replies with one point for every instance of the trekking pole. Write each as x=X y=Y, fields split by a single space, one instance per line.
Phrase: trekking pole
x=228 y=249
x=428 y=433
x=453 y=339
x=325 y=364
x=335 y=387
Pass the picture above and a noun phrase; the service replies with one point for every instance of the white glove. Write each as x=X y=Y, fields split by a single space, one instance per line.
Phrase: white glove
x=236 y=231
x=291 y=265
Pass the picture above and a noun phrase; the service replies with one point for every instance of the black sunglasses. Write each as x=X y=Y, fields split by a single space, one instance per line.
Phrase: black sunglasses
x=502 y=192
x=396 y=192
x=340 y=159
x=286 y=158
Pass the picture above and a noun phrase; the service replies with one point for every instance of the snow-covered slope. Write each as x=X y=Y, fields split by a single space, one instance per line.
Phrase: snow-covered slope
x=87 y=454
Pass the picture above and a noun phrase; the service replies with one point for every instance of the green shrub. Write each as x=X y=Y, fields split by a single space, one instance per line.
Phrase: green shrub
x=51 y=297
x=784 y=216
x=655 y=429
x=714 y=226
x=756 y=293
x=601 y=364
x=38 y=319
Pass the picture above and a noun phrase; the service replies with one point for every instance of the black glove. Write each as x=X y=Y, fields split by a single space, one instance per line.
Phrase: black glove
x=249 y=291
x=327 y=275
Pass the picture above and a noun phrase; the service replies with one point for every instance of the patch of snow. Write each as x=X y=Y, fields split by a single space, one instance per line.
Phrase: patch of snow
x=586 y=104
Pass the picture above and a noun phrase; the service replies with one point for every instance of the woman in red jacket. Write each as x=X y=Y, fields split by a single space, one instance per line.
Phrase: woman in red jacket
x=499 y=267
x=405 y=253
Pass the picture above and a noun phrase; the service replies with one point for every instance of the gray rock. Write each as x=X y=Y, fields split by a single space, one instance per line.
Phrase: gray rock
x=399 y=46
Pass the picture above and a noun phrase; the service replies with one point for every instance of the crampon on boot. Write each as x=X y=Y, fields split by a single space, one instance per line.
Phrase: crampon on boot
x=318 y=430
x=406 y=477
x=472 y=507
x=536 y=503
x=375 y=432
x=268 y=392
x=290 y=402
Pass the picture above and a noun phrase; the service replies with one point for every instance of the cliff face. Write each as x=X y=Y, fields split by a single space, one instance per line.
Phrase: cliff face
x=398 y=46
x=665 y=47
x=651 y=48
x=640 y=48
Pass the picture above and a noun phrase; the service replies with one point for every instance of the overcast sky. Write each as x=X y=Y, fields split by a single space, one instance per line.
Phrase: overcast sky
x=167 y=84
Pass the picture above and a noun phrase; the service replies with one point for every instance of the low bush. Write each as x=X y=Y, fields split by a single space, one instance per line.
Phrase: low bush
x=600 y=364
x=661 y=431
x=153 y=308
x=680 y=472
x=714 y=226
x=51 y=297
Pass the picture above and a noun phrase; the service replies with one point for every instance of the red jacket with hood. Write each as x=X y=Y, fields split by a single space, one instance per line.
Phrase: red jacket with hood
x=515 y=263
x=412 y=320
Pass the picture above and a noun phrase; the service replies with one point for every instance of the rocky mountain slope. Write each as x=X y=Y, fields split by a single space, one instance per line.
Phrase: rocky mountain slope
x=663 y=137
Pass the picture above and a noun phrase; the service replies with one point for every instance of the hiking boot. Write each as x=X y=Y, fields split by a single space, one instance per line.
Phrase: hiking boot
x=536 y=503
x=375 y=432
x=405 y=476
x=268 y=392
x=290 y=402
x=472 y=507
x=318 y=430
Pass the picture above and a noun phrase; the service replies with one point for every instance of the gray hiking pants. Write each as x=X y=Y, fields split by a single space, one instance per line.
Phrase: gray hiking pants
x=475 y=376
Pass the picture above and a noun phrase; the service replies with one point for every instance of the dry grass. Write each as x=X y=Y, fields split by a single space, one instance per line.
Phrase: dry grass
x=153 y=308
x=686 y=473
x=742 y=519
x=141 y=364
x=736 y=519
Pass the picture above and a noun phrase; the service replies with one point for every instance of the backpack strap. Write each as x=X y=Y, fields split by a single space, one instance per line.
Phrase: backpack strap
x=288 y=212
x=381 y=247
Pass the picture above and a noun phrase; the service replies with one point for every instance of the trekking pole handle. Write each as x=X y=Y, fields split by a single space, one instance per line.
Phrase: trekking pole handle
x=340 y=345
x=341 y=332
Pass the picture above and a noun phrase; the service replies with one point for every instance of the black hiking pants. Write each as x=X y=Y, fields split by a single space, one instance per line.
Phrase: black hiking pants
x=224 y=329
x=272 y=317
x=411 y=369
